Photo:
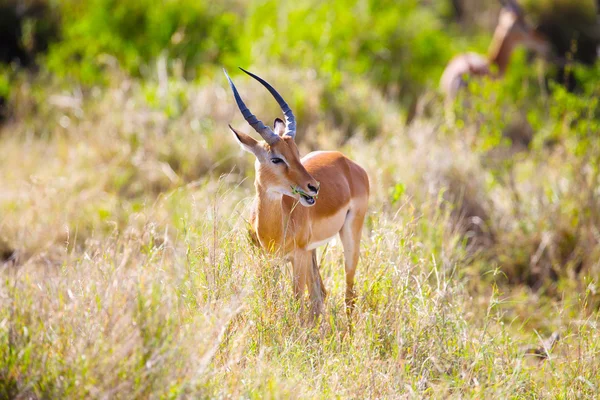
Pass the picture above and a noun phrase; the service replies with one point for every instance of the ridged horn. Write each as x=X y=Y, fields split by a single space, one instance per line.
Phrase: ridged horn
x=265 y=132
x=290 y=120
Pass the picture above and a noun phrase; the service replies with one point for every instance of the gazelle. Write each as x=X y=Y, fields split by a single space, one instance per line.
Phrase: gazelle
x=512 y=30
x=302 y=203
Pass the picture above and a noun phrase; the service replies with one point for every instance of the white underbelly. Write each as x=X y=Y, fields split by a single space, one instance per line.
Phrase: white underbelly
x=316 y=245
x=327 y=228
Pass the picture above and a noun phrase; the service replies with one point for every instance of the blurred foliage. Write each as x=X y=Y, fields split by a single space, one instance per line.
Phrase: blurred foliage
x=26 y=28
x=401 y=46
x=4 y=82
x=136 y=33
x=524 y=125
x=584 y=10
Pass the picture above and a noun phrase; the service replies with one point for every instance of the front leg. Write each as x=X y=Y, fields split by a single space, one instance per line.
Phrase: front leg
x=299 y=276
x=307 y=274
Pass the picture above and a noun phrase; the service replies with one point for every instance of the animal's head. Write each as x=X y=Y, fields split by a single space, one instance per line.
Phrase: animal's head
x=278 y=166
x=514 y=29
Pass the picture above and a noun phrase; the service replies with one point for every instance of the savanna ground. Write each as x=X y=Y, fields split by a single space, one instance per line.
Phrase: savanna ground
x=127 y=270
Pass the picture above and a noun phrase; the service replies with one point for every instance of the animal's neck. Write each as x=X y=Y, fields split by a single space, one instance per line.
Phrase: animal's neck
x=501 y=49
x=269 y=224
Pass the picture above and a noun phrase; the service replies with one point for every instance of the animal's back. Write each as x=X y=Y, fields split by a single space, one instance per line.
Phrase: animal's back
x=341 y=178
x=468 y=64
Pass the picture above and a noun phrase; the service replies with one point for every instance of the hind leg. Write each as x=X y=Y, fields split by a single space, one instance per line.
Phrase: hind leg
x=318 y=281
x=350 y=236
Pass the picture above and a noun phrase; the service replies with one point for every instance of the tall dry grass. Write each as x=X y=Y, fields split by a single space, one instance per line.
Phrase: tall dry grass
x=127 y=271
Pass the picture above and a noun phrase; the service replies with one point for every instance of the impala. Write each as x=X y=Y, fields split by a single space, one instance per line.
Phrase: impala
x=512 y=30
x=302 y=203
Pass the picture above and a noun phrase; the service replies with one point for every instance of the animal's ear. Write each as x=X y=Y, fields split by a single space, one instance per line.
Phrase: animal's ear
x=278 y=127
x=247 y=143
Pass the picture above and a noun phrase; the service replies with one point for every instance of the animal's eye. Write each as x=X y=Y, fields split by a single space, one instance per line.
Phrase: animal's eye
x=276 y=160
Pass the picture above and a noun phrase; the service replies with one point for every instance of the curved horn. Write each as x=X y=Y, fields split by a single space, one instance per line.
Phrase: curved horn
x=264 y=131
x=290 y=120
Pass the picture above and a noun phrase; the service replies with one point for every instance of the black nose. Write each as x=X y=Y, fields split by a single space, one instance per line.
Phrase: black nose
x=313 y=189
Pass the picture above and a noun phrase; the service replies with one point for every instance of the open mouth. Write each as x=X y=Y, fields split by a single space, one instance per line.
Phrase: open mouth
x=308 y=199
x=305 y=199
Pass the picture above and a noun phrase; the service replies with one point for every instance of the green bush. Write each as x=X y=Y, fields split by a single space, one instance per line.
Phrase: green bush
x=26 y=29
x=539 y=146
x=400 y=46
x=136 y=32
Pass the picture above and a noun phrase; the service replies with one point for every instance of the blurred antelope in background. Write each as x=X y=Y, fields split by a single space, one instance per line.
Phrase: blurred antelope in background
x=288 y=218
x=512 y=30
